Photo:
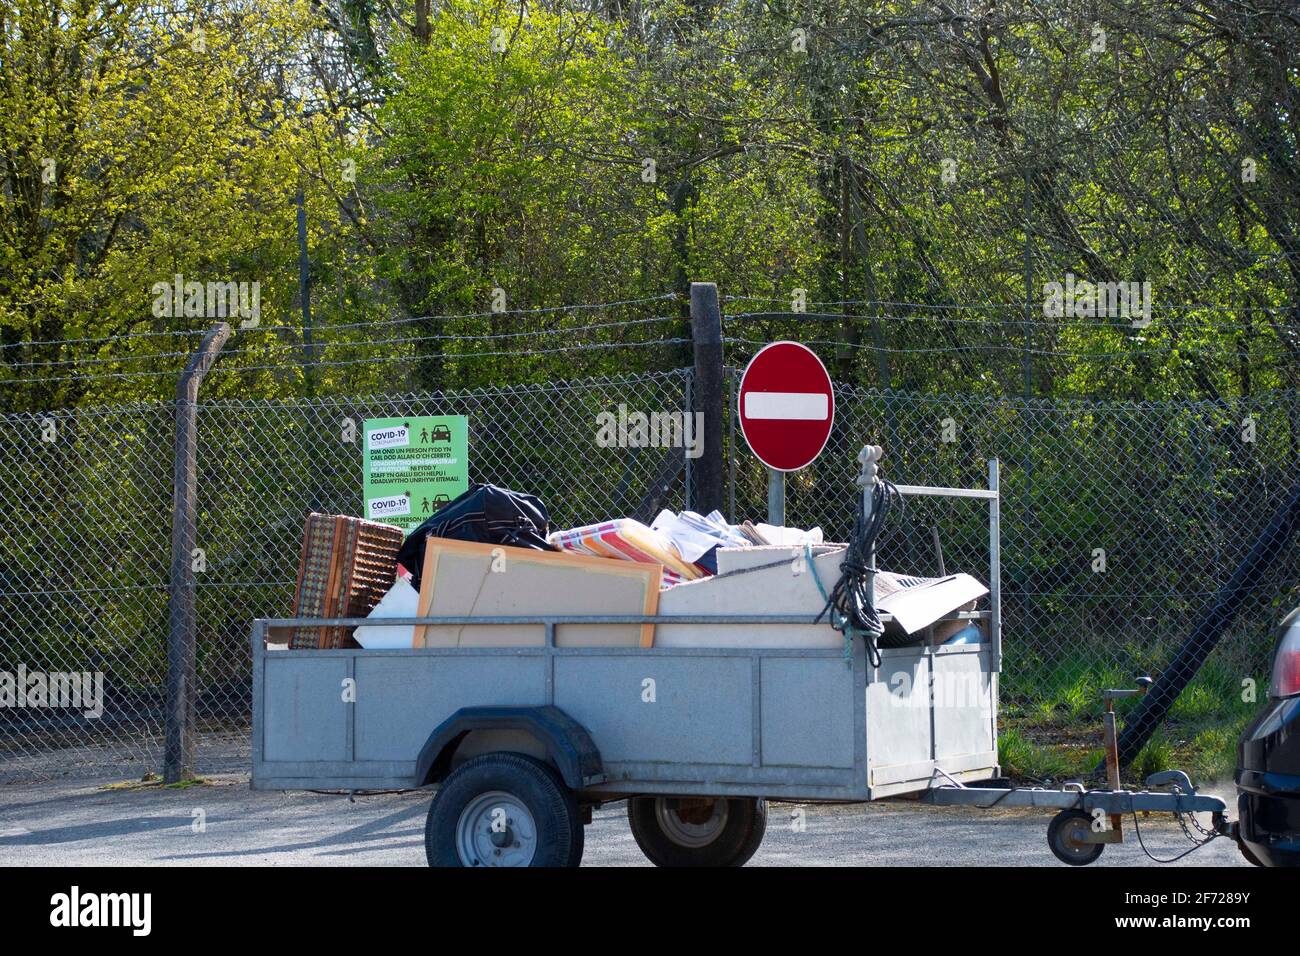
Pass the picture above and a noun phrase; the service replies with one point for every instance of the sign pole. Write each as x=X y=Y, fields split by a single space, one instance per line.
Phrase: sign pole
x=775 y=497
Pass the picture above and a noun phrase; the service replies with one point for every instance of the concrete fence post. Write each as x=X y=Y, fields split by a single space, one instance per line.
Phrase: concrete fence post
x=178 y=758
x=708 y=389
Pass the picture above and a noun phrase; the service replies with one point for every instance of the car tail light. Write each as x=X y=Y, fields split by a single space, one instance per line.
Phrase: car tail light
x=1286 y=663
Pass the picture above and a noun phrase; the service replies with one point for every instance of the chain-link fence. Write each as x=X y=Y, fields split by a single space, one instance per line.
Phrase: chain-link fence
x=1119 y=522
x=86 y=505
x=87 y=497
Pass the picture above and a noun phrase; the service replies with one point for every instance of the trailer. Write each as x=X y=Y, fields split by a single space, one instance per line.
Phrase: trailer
x=521 y=743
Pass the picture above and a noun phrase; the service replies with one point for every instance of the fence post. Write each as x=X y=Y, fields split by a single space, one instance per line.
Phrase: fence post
x=178 y=757
x=1173 y=680
x=706 y=331
x=1027 y=363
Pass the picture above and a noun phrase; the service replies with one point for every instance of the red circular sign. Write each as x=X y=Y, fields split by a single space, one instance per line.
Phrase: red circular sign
x=786 y=405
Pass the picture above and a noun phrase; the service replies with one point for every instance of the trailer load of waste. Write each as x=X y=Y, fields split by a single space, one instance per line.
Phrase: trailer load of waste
x=492 y=552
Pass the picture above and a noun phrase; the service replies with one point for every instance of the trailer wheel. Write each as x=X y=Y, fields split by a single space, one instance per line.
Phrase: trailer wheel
x=1066 y=836
x=503 y=809
x=708 y=831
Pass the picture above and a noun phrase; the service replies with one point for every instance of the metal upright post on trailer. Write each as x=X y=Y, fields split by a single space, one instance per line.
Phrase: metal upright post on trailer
x=995 y=566
x=869 y=458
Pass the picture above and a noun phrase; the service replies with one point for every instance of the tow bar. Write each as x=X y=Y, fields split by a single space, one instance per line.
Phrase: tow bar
x=1090 y=819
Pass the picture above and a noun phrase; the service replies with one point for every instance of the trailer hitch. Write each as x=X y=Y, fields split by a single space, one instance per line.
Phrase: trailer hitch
x=1077 y=833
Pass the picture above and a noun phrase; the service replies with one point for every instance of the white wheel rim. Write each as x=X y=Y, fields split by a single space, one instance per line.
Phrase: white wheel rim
x=683 y=833
x=496 y=829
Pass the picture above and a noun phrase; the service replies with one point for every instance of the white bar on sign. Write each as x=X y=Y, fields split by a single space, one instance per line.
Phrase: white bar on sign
x=791 y=406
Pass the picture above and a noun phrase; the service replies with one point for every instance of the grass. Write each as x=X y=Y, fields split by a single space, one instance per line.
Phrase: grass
x=1051 y=723
x=1025 y=759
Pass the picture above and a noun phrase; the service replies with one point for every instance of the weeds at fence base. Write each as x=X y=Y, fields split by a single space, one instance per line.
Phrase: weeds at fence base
x=1051 y=721
x=1031 y=751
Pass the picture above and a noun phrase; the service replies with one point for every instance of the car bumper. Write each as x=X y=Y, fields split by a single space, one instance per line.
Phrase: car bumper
x=1268 y=811
x=1268 y=784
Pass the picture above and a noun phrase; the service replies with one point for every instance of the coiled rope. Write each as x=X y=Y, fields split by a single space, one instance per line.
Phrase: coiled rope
x=851 y=602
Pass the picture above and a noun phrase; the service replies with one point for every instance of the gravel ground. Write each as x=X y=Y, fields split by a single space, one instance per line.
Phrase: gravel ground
x=72 y=822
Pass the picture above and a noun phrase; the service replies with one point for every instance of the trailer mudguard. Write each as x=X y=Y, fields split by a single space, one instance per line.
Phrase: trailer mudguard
x=568 y=745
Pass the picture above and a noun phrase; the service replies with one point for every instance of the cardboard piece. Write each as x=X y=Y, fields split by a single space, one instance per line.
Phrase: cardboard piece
x=768 y=588
x=788 y=587
x=916 y=602
x=465 y=578
x=402 y=600
x=742 y=559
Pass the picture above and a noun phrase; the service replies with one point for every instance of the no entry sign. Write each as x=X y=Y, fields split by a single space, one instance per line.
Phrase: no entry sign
x=786 y=405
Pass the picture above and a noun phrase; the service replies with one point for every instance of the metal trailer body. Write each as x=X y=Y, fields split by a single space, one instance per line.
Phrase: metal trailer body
x=797 y=723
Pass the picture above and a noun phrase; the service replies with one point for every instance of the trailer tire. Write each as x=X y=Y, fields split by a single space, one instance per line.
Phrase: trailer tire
x=540 y=816
x=675 y=831
x=1063 y=838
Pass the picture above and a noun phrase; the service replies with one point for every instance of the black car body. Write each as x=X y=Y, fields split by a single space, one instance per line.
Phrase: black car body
x=1268 y=762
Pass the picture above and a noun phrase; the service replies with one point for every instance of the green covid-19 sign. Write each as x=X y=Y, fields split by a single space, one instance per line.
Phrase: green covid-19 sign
x=414 y=466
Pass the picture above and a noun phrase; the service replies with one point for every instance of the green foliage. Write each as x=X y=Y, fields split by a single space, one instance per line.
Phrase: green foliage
x=139 y=144
x=934 y=170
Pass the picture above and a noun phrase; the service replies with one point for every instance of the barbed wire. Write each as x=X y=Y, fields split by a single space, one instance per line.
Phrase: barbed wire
x=448 y=356
x=375 y=323
x=999 y=347
x=316 y=346
x=504 y=313
x=1038 y=321
x=996 y=304
x=381 y=359
x=360 y=343
x=125 y=337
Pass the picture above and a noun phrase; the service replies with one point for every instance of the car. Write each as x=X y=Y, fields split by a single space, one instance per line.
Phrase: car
x=441 y=433
x=1268 y=762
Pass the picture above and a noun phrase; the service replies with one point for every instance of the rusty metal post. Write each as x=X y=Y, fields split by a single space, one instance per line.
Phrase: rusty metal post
x=178 y=757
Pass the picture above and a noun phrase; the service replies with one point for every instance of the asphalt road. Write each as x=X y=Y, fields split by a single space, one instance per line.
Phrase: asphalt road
x=224 y=823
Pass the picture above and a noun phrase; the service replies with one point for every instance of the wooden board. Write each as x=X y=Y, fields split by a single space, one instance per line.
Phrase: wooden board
x=464 y=578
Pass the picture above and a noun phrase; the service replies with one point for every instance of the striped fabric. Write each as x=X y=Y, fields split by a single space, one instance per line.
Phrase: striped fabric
x=628 y=540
